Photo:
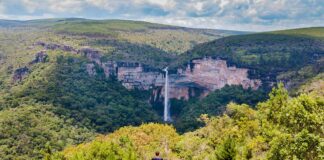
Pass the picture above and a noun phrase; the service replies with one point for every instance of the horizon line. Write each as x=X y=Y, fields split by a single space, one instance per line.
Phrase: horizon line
x=144 y=21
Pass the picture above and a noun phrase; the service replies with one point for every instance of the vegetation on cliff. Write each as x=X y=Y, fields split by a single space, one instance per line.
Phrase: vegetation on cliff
x=97 y=102
x=58 y=104
x=270 y=54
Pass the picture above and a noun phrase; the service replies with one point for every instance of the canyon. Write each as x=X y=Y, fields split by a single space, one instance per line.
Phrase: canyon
x=200 y=77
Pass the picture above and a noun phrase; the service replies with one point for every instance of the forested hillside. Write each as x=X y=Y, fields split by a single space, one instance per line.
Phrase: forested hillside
x=291 y=56
x=55 y=92
x=47 y=93
x=279 y=128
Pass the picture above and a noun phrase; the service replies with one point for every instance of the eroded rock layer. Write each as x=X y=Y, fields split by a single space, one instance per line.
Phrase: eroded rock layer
x=199 y=78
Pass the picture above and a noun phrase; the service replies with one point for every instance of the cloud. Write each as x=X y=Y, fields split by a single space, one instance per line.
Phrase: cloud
x=59 y=6
x=26 y=17
x=30 y=5
x=165 y=4
x=72 y=6
x=224 y=14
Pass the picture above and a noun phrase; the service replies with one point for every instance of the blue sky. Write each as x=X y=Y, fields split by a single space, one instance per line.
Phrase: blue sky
x=252 y=15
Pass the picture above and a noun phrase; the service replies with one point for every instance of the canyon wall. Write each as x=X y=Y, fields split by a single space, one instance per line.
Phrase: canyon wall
x=200 y=77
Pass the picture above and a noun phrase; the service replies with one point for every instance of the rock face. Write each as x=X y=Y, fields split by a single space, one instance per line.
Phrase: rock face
x=19 y=74
x=40 y=57
x=91 y=69
x=22 y=72
x=134 y=75
x=214 y=74
x=53 y=46
x=201 y=76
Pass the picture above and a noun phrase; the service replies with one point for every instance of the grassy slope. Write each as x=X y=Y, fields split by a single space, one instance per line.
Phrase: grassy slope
x=168 y=38
x=316 y=32
x=164 y=41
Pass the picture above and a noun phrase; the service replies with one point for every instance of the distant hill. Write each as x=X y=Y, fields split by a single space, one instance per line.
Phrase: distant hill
x=166 y=37
x=10 y=23
x=291 y=56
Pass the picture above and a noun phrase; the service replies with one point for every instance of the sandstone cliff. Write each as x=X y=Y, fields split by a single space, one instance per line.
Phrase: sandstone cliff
x=204 y=76
x=199 y=78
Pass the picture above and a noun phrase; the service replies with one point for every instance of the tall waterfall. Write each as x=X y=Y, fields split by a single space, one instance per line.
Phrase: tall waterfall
x=166 y=115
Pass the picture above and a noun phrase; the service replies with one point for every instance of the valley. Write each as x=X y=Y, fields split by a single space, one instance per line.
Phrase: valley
x=73 y=87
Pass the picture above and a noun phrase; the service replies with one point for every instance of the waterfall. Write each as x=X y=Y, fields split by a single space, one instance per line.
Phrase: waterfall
x=166 y=114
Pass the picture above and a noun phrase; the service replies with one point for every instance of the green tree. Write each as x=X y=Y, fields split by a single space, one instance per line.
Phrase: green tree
x=227 y=150
x=30 y=132
x=293 y=126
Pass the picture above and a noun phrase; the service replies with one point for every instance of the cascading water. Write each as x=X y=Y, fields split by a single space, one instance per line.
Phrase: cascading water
x=166 y=115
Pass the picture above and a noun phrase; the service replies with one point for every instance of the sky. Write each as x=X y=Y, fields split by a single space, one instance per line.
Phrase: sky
x=246 y=15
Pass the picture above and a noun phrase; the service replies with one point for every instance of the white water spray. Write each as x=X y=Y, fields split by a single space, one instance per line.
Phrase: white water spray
x=166 y=116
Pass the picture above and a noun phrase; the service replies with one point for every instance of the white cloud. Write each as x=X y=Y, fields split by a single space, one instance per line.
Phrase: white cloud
x=31 y=5
x=2 y=8
x=26 y=17
x=227 y=14
x=72 y=6
x=109 y=5
x=115 y=5
x=165 y=4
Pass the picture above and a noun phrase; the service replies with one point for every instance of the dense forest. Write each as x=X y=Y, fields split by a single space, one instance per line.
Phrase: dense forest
x=51 y=108
x=271 y=56
x=281 y=127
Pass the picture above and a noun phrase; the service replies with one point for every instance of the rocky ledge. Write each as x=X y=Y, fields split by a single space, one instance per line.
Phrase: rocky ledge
x=201 y=76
